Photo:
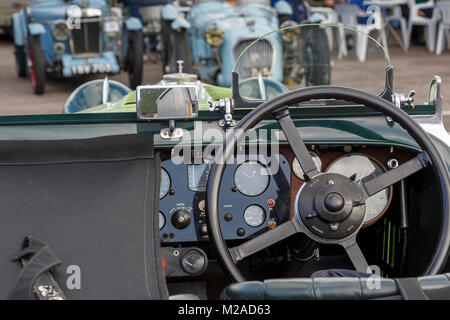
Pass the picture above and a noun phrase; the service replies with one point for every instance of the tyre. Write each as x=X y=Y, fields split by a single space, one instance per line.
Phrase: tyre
x=21 y=58
x=37 y=65
x=135 y=61
x=316 y=57
x=21 y=61
x=177 y=48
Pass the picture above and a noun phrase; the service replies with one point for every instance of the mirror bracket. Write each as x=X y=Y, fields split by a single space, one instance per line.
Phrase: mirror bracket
x=172 y=132
x=225 y=106
x=388 y=91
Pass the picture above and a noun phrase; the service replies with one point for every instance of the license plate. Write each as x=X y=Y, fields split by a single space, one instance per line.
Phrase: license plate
x=91 y=68
x=111 y=26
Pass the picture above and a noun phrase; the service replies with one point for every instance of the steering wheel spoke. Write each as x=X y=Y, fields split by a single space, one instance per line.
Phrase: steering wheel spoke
x=403 y=171
x=265 y=240
x=296 y=142
x=355 y=254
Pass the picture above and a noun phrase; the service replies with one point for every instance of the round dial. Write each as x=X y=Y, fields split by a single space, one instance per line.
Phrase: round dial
x=254 y=216
x=365 y=169
x=298 y=171
x=251 y=178
x=162 y=220
x=193 y=261
x=165 y=183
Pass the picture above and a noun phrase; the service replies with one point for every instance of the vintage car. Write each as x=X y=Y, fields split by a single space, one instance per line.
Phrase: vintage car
x=76 y=38
x=186 y=190
x=210 y=36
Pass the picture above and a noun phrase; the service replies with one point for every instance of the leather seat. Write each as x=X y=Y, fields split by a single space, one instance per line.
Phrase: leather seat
x=330 y=288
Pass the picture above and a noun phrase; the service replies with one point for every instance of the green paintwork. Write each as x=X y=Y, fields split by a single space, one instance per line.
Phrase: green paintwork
x=317 y=125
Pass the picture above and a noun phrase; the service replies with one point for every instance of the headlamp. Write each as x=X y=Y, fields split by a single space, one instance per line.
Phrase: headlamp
x=214 y=36
x=60 y=31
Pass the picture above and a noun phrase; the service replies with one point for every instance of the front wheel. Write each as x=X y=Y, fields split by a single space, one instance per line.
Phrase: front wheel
x=135 y=59
x=316 y=57
x=21 y=61
x=37 y=65
x=177 y=48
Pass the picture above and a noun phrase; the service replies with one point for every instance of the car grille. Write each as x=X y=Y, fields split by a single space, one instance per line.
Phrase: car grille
x=86 y=39
x=257 y=59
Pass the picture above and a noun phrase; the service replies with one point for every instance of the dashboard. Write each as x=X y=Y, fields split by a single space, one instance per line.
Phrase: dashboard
x=256 y=195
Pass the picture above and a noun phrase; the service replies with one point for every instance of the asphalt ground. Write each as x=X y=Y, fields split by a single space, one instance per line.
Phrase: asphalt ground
x=413 y=70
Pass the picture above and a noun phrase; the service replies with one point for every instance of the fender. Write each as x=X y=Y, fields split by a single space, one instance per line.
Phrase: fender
x=133 y=24
x=36 y=29
x=284 y=8
x=169 y=12
x=180 y=23
x=18 y=32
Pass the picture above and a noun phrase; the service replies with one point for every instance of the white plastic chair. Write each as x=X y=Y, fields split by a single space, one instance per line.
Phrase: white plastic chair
x=442 y=15
x=350 y=15
x=331 y=17
x=417 y=20
x=394 y=14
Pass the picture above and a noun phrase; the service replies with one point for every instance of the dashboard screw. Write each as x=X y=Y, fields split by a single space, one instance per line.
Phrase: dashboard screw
x=392 y=163
x=347 y=148
x=330 y=182
x=333 y=226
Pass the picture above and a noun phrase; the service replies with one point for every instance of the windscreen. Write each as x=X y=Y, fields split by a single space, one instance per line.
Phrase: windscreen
x=304 y=55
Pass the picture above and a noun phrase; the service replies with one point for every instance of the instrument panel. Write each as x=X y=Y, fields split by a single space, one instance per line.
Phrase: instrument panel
x=256 y=196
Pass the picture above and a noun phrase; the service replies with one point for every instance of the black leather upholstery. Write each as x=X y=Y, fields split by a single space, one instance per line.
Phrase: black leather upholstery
x=327 y=289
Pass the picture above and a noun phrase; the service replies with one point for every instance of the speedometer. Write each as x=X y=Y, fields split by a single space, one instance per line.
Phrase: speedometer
x=365 y=169
x=251 y=178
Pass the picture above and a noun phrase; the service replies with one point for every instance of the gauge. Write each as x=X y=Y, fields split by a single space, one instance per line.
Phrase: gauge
x=251 y=178
x=365 y=169
x=165 y=183
x=162 y=220
x=198 y=176
x=193 y=261
x=299 y=171
x=254 y=216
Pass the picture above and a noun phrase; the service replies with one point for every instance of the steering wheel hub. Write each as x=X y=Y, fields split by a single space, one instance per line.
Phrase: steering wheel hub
x=331 y=206
x=334 y=202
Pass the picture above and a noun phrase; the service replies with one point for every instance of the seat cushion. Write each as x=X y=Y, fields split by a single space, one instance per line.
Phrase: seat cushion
x=330 y=288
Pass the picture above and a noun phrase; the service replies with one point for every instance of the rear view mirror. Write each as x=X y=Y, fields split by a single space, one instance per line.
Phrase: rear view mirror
x=167 y=102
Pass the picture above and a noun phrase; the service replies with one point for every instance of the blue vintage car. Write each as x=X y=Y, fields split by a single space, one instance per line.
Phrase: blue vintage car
x=210 y=36
x=76 y=38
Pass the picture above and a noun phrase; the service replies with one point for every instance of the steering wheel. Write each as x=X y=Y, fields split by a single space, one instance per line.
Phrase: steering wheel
x=329 y=208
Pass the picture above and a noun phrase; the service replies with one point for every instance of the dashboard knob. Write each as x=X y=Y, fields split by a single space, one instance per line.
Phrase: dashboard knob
x=181 y=219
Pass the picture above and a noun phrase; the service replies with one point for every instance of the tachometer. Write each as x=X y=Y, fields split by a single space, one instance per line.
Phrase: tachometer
x=251 y=178
x=165 y=183
x=365 y=169
x=299 y=171
x=254 y=216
